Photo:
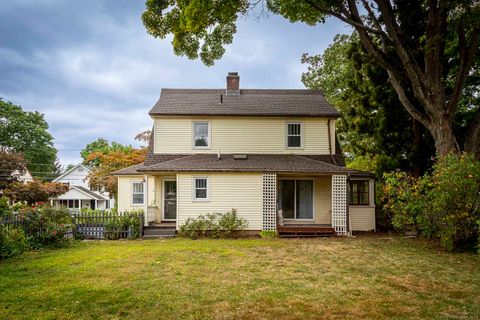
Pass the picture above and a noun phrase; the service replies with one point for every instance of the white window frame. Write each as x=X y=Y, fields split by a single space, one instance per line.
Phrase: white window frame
x=194 y=188
x=287 y=135
x=209 y=138
x=132 y=193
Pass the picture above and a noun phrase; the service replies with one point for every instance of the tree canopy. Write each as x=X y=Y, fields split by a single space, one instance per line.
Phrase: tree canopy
x=101 y=146
x=429 y=49
x=12 y=167
x=100 y=178
x=27 y=133
x=376 y=133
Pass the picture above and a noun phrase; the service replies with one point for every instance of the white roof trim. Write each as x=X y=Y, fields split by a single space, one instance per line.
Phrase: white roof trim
x=71 y=169
x=88 y=195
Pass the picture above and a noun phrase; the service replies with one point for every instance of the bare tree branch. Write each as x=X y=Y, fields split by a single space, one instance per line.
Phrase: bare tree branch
x=415 y=73
x=467 y=57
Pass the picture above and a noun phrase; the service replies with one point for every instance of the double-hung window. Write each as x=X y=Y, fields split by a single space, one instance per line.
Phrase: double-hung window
x=201 y=134
x=359 y=193
x=200 y=186
x=137 y=193
x=294 y=135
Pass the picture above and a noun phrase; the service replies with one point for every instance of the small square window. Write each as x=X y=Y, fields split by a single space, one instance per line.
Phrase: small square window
x=294 y=135
x=200 y=188
x=359 y=192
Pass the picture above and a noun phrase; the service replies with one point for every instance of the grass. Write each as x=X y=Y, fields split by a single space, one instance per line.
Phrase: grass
x=366 y=277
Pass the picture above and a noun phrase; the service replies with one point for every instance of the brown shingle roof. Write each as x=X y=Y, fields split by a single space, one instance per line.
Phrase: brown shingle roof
x=132 y=170
x=250 y=102
x=253 y=163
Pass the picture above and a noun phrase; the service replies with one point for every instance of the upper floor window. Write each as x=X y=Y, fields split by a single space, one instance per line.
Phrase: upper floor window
x=359 y=192
x=294 y=135
x=200 y=186
x=137 y=192
x=201 y=134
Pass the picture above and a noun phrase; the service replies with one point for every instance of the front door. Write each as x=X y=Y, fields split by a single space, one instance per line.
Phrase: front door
x=295 y=199
x=169 y=200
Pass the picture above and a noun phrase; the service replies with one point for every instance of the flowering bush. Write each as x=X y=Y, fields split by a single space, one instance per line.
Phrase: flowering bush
x=442 y=205
x=12 y=242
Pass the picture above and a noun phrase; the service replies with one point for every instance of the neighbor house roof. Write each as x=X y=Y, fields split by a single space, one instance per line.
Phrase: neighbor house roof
x=87 y=192
x=250 y=102
x=87 y=168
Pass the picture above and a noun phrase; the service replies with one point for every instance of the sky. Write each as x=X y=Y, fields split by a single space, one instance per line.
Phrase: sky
x=91 y=68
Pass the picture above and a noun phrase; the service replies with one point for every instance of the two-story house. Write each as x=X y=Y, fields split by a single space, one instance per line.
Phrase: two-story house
x=79 y=195
x=261 y=152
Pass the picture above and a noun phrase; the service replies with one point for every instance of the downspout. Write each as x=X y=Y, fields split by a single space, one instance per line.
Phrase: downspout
x=330 y=142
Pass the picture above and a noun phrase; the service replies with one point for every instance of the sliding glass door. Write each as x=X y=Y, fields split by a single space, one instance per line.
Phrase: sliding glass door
x=295 y=199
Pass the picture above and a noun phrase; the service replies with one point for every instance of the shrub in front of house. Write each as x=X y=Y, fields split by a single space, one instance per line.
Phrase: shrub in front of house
x=214 y=225
x=268 y=234
x=443 y=205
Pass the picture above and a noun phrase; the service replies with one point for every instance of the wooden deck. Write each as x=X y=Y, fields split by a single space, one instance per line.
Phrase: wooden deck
x=305 y=230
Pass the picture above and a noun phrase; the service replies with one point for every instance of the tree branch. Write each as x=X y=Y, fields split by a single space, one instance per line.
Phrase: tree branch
x=414 y=72
x=467 y=57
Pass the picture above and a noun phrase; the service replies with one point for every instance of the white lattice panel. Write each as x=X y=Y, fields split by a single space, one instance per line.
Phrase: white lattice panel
x=269 y=201
x=339 y=203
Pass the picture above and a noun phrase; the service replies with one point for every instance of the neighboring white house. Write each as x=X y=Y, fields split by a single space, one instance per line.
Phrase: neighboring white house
x=80 y=196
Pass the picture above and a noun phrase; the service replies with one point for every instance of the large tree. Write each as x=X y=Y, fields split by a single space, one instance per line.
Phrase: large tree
x=27 y=133
x=376 y=133
x=409 y=39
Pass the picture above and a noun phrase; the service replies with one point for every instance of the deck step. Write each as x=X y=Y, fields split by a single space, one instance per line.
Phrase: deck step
x=293 y=231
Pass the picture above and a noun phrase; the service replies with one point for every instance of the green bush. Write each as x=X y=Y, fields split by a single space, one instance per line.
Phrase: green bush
x=268 y=234
x=443 y=205
x=44 y=226
x=215 y=225
x=128 y=222
x=12 y=242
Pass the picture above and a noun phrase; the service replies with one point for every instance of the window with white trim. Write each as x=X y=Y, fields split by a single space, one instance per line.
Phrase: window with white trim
x=201 y=134
x=137 y=193
x=200 y=186
x=294 y=135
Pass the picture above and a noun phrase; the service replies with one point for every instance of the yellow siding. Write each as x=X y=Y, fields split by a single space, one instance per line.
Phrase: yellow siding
x=362 y=218
x=242 y=191
x=242 y=135
x=323 y=196
x=125 y=193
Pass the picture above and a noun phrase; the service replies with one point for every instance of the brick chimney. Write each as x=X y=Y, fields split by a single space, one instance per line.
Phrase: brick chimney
x=233 y=84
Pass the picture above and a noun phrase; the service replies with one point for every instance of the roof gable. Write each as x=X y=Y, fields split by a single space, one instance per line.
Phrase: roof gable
x=74 y=170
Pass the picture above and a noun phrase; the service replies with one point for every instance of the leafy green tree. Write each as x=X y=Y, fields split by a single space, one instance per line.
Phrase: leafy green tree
x=101 y=146
x=410 y=40
x=27 y=133
x=376 y=133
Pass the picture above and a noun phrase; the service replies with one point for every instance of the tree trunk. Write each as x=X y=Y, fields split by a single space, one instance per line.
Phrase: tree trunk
x=441 y=129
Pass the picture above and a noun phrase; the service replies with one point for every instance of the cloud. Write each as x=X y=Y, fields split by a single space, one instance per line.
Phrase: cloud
x=92 y=69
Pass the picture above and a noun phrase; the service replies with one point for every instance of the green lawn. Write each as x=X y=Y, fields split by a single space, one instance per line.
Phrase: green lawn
x=366 y=277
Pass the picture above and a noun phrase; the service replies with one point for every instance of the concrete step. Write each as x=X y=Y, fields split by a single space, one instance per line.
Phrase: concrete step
x=152 y=237
x=159 y=232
